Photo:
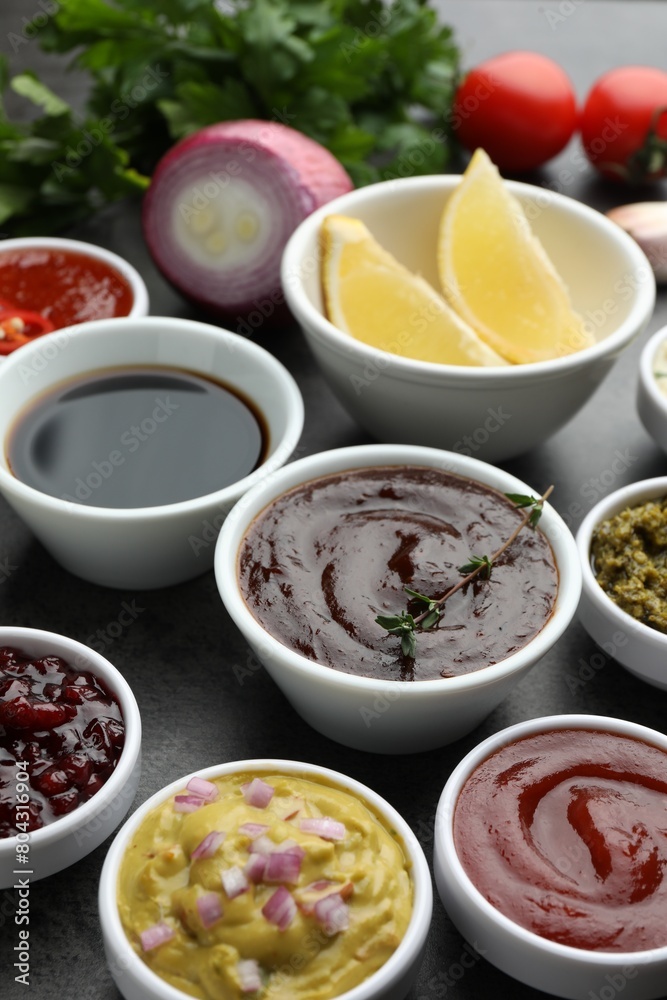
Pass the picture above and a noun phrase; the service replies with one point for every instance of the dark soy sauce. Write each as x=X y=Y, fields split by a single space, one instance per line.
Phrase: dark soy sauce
x=136 y=437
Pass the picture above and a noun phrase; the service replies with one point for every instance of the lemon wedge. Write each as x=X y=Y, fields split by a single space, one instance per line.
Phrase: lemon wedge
x=374 y=298
x=496 y=274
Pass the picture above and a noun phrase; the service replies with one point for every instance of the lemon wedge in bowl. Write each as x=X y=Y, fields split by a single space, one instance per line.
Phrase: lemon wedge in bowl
x=497 y=275
x=373 y=297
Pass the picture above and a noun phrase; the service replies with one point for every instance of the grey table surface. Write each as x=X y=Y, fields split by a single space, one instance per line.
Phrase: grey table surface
x=182 y=655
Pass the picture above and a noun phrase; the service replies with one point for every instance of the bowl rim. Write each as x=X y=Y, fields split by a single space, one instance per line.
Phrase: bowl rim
x=650 y=349
x=321 y=329
x=140 y=304
x=74 y=651
x=374 y=455
x=291 y=402
x=444 y=838
x=631 y=495
x=406 y=952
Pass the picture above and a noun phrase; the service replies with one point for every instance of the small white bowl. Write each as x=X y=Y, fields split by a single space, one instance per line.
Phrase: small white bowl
x=369 y=713
x=651 y=402
x=562 y=970
x=143 y=547
x=71 y=837
x=140 y=302
x=136 y=981
x=491 y=413
x=639 y=648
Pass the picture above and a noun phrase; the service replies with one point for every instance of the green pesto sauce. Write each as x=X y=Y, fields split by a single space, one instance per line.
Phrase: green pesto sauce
x=629 y=554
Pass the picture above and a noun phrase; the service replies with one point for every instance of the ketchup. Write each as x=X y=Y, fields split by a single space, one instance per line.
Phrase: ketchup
x=46 y=288
x=565 y=832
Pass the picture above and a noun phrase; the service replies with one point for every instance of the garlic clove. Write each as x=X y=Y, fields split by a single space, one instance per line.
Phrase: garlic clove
x=646 y=222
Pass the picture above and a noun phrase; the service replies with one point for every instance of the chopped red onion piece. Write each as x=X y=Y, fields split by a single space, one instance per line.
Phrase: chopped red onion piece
x=156 y=935
x=253 y=829
x=258 y=793
x=249 y=974
x=282 y=867
x=234 y=882
x=290 y=846
x=262 y=845
x=280 y=908
x=332 y=914
x=324 y=827
x=209 y=845
x=188 y=803
x=255 y=867
x=204 y=789
x=209 y=908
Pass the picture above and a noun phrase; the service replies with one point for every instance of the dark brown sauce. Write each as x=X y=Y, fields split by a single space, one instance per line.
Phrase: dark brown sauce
x=323 y=560
x=136 y=437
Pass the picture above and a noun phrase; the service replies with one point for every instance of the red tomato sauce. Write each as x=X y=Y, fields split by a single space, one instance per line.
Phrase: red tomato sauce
x=565 y=833
x=63 y=287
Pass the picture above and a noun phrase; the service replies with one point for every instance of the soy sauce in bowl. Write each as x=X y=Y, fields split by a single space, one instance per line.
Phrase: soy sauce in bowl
x=139 y=436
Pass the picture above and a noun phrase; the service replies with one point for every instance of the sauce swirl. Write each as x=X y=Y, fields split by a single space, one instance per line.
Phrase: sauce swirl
x=565 y=832
x=324 y=559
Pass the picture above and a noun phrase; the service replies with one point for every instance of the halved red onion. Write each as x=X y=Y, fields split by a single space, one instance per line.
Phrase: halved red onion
x=280 y=908
x=209 y=908
x=332 y=914
x=255 y=867
x=204 y=789
x=262 y=845
x=209 y=845
x=253 y=829
x=234 y=882
x=258 y=793
x=324 y=827
x=222 y=204
x=249 y=975
x=283 y=867
x=188 y=803
x=156 y=935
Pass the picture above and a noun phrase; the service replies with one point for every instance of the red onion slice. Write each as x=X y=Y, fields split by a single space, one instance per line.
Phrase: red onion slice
x=253 y=829
x=258 y=793
x=255 y=867
x=204 y=789
x=209 y=908
x=249 y=975
x=332 y=914
x=209 y=845
x=222 y=204
x=324 y=827
x=280 y=908
x=283 y=867
x=188 y=803
x=289 y=846
x=234 y=882
x=156 y=935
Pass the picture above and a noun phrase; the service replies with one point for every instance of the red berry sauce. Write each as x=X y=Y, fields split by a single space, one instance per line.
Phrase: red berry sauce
x=65 y=725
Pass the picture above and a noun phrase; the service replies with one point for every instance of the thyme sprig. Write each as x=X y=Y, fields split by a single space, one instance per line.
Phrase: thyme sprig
x=405 y=624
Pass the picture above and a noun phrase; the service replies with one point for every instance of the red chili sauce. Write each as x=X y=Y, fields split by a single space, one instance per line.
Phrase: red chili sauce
x=60 y=725
x=565 y=833
x=45 y=289
x=322 y=561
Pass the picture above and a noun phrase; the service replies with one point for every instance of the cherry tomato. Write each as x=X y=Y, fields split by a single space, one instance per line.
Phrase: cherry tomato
x=519 y=106
x=19 y=326
x=624 y=124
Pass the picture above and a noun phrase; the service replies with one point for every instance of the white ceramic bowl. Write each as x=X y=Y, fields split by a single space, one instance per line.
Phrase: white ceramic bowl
x=651 y=402
x=368 y=713
x=491 y=413
x=140 y=303
x=562 y=970
x=136 y=981
x=639 y=648
x=155 y=546
x=73 y=836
